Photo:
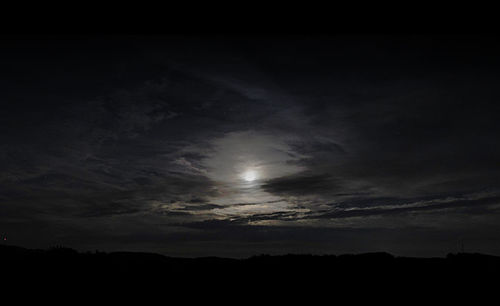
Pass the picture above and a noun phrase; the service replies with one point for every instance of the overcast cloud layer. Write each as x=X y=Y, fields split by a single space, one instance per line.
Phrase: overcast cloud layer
x=235 y=147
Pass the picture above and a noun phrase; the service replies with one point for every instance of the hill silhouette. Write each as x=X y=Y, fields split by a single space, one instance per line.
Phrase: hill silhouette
x=60 y=259
x=145 y=272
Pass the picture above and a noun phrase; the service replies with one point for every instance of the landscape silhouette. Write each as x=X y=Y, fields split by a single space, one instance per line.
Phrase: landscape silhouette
x=62 y=267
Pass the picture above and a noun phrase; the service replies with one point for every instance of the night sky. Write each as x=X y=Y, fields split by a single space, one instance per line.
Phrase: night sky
x=242 y=145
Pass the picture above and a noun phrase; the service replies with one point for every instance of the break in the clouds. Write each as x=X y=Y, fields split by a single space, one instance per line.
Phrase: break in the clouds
x=243 y=146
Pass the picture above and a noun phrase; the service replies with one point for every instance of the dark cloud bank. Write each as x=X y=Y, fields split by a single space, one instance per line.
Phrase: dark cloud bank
x=362 y=144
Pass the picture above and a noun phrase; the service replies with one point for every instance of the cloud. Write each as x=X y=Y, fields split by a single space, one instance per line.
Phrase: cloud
x=303 y=184
x=401 y=208
x=354 y=136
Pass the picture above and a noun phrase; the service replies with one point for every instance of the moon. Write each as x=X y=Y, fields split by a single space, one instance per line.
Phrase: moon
x=250 y=175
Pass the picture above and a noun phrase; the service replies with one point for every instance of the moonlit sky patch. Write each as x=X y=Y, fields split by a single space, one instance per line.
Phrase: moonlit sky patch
x=250 y=175
x=240 y=146
x=237 y=153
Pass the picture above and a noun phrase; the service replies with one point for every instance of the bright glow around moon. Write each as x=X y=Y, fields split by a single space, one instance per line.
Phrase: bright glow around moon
x=250 y=175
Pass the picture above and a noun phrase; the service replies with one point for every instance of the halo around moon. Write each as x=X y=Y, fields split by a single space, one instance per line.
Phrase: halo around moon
x=250 y=175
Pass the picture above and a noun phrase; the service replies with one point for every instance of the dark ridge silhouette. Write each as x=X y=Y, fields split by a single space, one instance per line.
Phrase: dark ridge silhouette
x=61 y=267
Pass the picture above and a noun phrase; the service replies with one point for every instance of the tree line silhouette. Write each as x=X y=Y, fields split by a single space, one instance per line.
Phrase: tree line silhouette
x=370 y=271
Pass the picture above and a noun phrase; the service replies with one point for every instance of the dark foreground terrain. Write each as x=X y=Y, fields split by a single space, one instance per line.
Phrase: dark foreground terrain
x=60 y=271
